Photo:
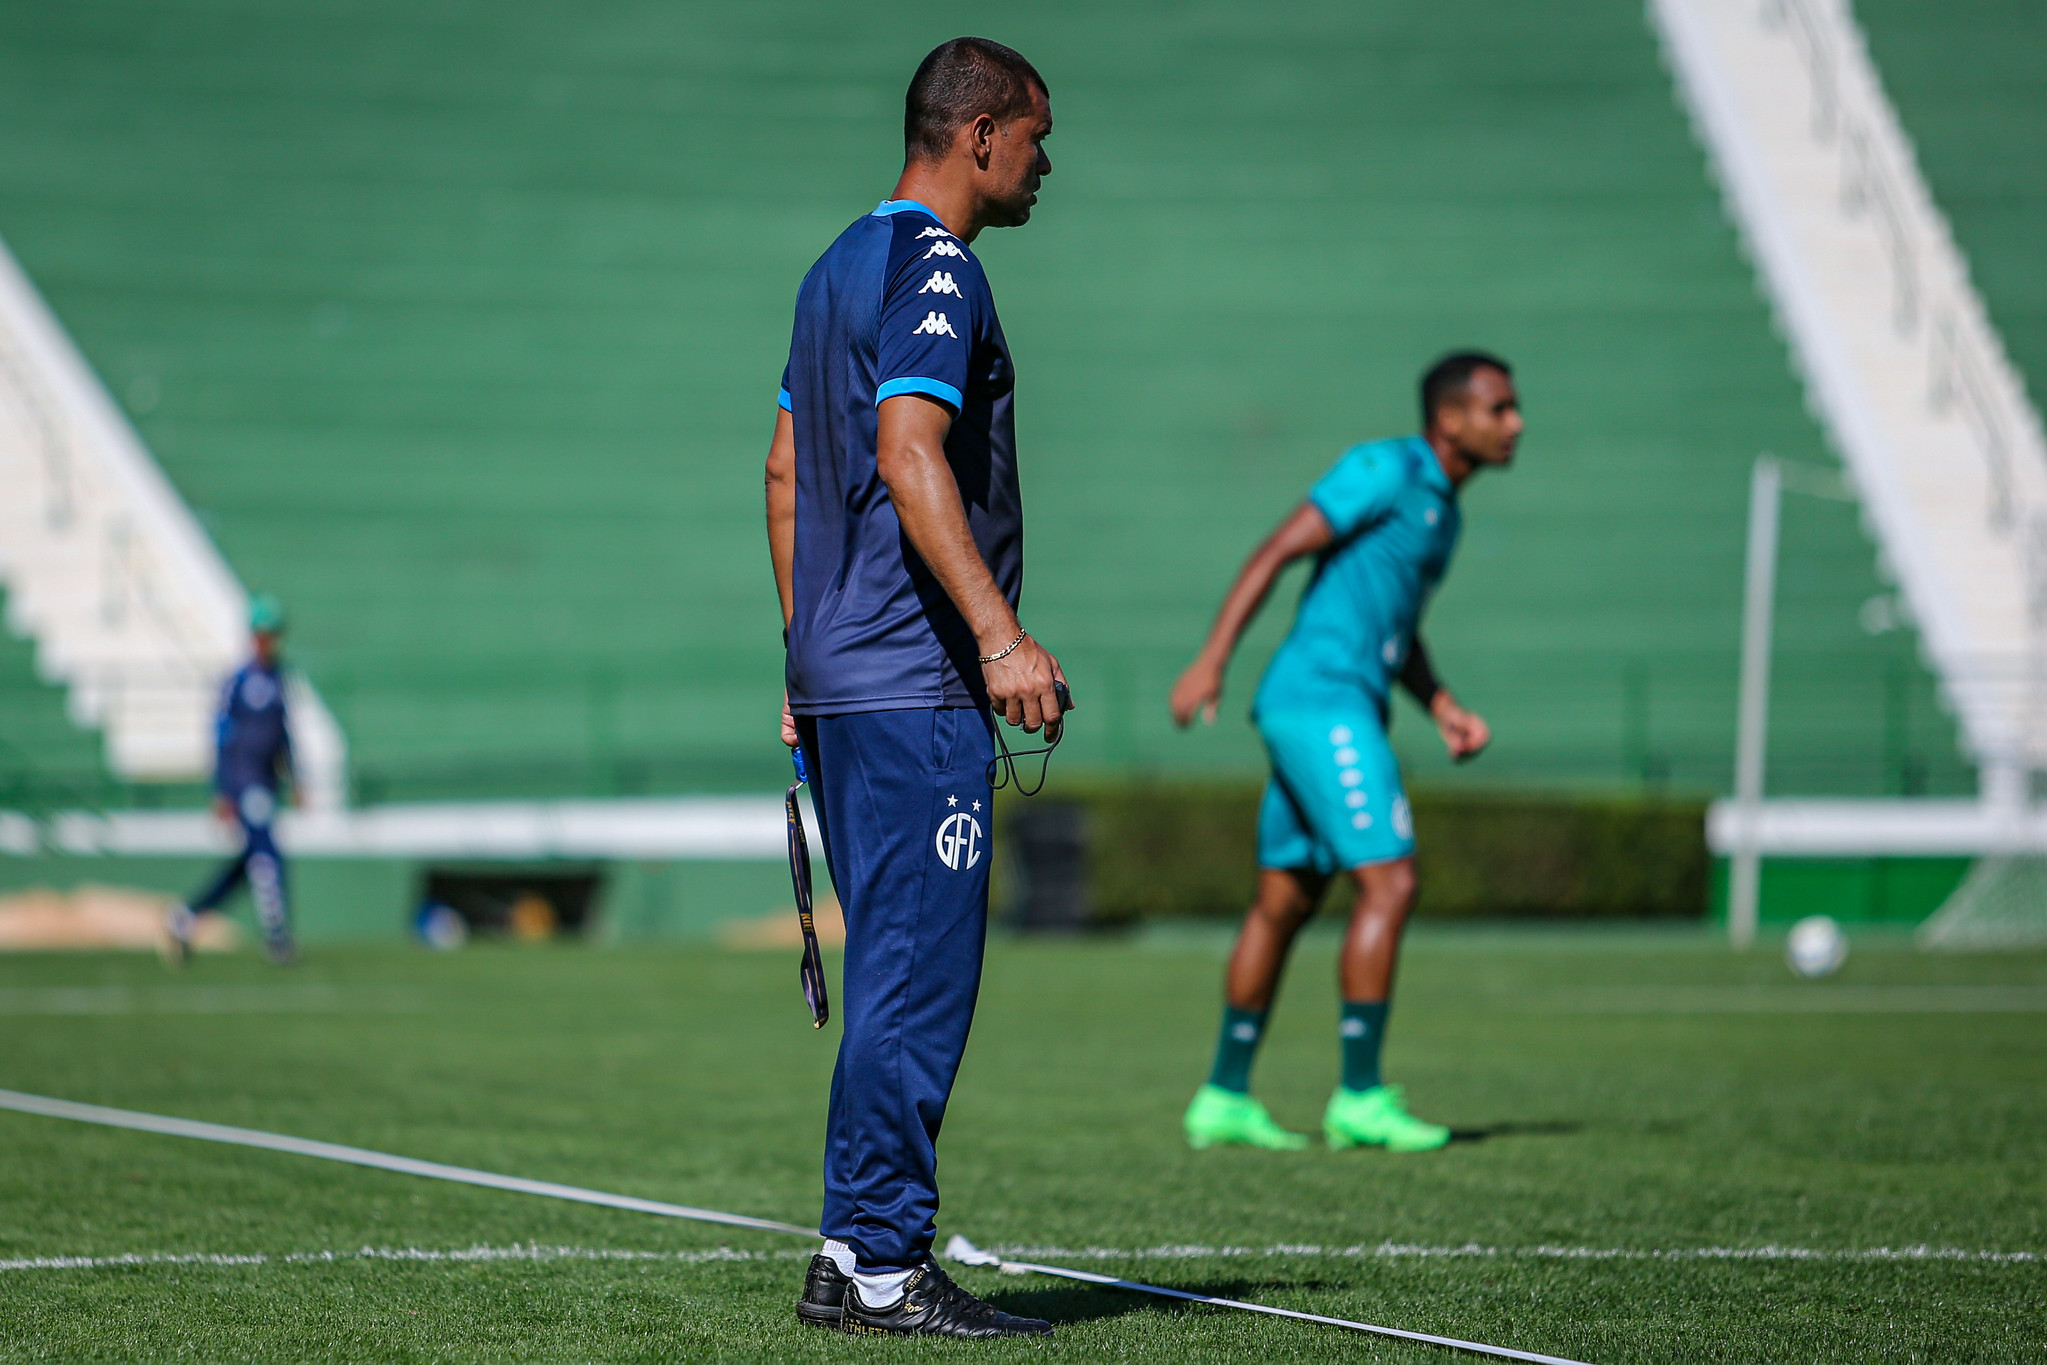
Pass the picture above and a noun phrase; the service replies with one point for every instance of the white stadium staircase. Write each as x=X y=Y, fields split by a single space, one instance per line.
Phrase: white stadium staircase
x=133 y=610
x=1904 y=370
x=130 y=606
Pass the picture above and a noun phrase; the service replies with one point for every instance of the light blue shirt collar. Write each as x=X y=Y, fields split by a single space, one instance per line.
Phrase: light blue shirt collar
x=889 y=206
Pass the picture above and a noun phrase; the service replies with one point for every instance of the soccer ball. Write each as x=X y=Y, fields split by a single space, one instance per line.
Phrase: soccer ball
x=1816 y=948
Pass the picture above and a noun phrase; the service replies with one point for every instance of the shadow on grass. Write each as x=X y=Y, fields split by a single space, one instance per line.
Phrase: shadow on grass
x=1555 y=1128
x=1079 y=1303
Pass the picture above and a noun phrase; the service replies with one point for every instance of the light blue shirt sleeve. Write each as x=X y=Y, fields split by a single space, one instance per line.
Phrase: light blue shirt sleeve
x=1360 y=489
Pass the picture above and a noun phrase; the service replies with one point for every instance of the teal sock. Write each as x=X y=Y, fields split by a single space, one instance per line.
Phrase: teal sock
x=1242 y=1031
x=1363 y=1032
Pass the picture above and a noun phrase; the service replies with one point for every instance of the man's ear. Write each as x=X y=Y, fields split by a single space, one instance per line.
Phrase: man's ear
x=981 y=139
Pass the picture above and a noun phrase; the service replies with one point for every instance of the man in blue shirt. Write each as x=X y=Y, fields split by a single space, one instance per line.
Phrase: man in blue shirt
x=1381 y=526
x=252 y=759
x=896 y=528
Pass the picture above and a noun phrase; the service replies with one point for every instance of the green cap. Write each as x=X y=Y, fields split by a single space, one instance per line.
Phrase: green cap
x=266 y=614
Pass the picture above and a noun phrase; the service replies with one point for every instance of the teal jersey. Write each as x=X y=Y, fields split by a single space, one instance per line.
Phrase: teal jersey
x=1395 y=518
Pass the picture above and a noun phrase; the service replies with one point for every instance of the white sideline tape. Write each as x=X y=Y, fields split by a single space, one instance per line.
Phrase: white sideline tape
x=961 y=1250
x=958 y=1249
x=358 y=1156
x=1405 y=1250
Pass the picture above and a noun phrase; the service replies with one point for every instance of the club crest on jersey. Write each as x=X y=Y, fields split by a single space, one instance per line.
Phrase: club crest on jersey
x=258 y=692
x=941 y=283
x=934 y=324
x=959 y=841
x=944 y=246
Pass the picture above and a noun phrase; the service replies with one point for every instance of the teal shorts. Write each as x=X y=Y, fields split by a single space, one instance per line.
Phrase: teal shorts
x=1334 y=801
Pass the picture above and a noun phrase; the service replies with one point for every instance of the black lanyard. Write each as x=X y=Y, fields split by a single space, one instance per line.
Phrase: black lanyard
x=1002 y=768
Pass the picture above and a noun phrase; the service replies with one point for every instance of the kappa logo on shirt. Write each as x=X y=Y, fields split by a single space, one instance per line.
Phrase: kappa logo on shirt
x=934 y=324
x=945 y=246
x=941 y=283
x=933 y=232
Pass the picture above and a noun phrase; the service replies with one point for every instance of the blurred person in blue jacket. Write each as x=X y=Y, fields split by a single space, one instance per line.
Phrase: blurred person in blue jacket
x=251 y=767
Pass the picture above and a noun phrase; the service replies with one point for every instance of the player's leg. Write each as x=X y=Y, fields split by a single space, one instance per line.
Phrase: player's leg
x=1376 y=836
x=1290 y=886
x=905 y=798
x=267 y=884
x=1223 y=1111
x=182 y=918
x=831 y=1269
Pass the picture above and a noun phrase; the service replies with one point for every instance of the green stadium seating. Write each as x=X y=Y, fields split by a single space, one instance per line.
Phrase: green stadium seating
x=44 y=758
x=459 y=326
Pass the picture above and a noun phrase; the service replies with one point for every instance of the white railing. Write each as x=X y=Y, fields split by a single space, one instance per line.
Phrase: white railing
x=131 y=607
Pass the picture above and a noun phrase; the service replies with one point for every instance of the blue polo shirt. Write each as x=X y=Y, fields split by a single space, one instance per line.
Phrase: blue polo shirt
x=1394 y=514
x=897 y=305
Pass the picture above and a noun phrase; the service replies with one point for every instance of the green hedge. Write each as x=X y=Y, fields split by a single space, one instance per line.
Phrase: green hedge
x=1189 y=849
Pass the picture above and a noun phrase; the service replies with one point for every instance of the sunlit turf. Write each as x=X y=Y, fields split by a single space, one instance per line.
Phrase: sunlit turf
x=1630 y=1095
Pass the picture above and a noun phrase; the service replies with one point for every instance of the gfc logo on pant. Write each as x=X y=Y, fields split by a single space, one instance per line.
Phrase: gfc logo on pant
x=959 y=841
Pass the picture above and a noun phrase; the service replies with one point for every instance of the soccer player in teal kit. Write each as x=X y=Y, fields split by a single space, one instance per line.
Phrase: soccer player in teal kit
x=1381 y=526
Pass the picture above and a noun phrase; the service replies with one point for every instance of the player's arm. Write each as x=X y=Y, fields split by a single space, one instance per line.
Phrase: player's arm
x=781 y=484
x=223 y=735
x=1463 y=731
x=910 y=457
x=1200 y=688
x=285 y=763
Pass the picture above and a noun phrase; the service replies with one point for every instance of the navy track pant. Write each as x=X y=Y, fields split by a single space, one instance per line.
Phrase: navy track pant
x=903 y=801
x=260 y=863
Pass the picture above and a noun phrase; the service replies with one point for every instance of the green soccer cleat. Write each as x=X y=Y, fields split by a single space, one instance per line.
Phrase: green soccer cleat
x=1220 y=1117
x=1378 y=1118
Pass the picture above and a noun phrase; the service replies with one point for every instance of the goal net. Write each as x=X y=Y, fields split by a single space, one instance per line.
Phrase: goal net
x=2002 y=903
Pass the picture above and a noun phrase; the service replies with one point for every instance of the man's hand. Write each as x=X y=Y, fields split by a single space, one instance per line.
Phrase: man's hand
x=1199 y=692
x=1020 y=685
x=789 y=736
x=1463 y=731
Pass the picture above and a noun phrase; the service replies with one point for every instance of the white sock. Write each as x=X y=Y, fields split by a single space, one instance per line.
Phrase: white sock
x=881 y=1288
x=841 y=1254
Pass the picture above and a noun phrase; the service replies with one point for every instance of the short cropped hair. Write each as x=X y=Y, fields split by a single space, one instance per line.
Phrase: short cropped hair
x=960 y=81
x=1449 y=377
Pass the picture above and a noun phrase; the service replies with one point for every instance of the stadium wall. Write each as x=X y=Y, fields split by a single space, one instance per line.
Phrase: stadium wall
x=445 y=341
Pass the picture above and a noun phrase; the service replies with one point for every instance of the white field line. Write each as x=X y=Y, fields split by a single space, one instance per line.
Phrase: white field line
x=312 y=997
x=1283 y=1250
x=1785 y=1000
x=515 y=1252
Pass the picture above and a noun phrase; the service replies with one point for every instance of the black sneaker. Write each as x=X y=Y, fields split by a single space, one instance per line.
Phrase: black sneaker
x=933 y=1306
x=824 y=1294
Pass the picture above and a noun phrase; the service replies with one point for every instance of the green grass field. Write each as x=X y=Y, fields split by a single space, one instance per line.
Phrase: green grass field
x=1645 y=1103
